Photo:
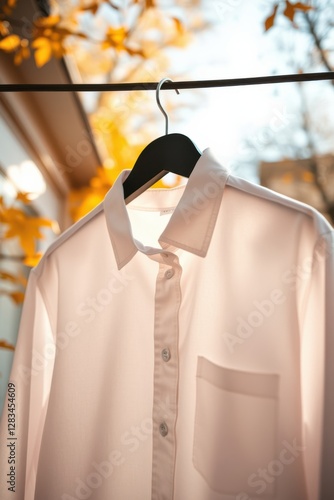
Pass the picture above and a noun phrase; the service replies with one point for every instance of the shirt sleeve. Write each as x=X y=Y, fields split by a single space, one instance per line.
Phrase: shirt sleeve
x=317 y=372
x=27 y=395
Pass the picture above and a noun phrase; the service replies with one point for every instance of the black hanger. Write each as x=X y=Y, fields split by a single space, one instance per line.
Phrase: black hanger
x=174 y=153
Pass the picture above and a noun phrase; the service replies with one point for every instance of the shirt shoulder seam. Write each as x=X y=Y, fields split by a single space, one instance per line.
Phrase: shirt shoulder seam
x=68 y=233
x=278 y=198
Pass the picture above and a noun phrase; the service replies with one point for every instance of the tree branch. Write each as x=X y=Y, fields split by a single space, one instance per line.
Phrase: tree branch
x=318 y=43
x=313 y=161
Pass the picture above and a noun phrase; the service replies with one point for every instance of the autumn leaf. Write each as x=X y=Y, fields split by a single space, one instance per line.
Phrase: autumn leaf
x=57 y=48
x=14 y=43
x=26 y=228
x=179 y=25
x=4 y=31
x=28 y=231
x=47 y=22
x=303 y=7
x=24 y=197
x=181 y=37
x=9 y=6
x=32 y=260
x=17 y=297
x=290 y=9
x=115 y=37
x=6 y=214
x=21 y=54
x=7 y=276
x=148 y=3
x=10 y=43
x=93 y=7
x=5 y=345
x=50 y=33
x=17 y=280
x=49 y=39
x=269 y=22
x=43 y=52
x=45 y=48
x=104 y=178
x=83 y=200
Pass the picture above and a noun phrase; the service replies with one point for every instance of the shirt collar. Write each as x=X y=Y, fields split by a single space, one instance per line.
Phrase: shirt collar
x=192 y=222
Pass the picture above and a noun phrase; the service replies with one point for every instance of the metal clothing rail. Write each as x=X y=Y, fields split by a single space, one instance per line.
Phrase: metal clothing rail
x=196 y=84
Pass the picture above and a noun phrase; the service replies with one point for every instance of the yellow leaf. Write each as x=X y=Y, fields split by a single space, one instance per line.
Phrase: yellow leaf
x=47 y=22
x=43 y=52
x=9 y=6
x=20 y=280
x=42 y=221
x=32 y=260
x=269 y=22
x=18 y=297
x=57 y=49
x=25 y=52
x=7 y=215
x=148 y=3
x=26 y=228
x=7 y=276
x=24 y=197
x=93 y=7
x=115 y=37
x=5 y=345
x=182 y=37
x=181 y=40
x=103 y=178
x=10 y=43
x=88 y=201
x=18 y=58
x=4 y=28
x=179 y=25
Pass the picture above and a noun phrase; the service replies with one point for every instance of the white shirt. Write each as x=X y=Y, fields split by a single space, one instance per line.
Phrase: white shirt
x=178 y=348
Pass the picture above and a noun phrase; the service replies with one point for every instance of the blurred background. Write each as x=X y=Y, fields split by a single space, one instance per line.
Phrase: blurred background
x=61 y=152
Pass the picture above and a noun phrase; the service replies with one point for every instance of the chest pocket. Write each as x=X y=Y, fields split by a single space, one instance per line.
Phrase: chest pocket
x=235 y=426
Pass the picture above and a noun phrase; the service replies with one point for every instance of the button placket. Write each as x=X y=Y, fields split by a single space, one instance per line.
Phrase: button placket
x=166 y=374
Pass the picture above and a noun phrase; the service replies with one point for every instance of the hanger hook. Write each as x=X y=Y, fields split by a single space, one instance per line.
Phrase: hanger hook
x=157 y=94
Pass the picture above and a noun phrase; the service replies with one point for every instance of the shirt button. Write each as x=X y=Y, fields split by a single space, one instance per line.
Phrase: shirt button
x=165 y=353
x=163 y=429
x=169 y=273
